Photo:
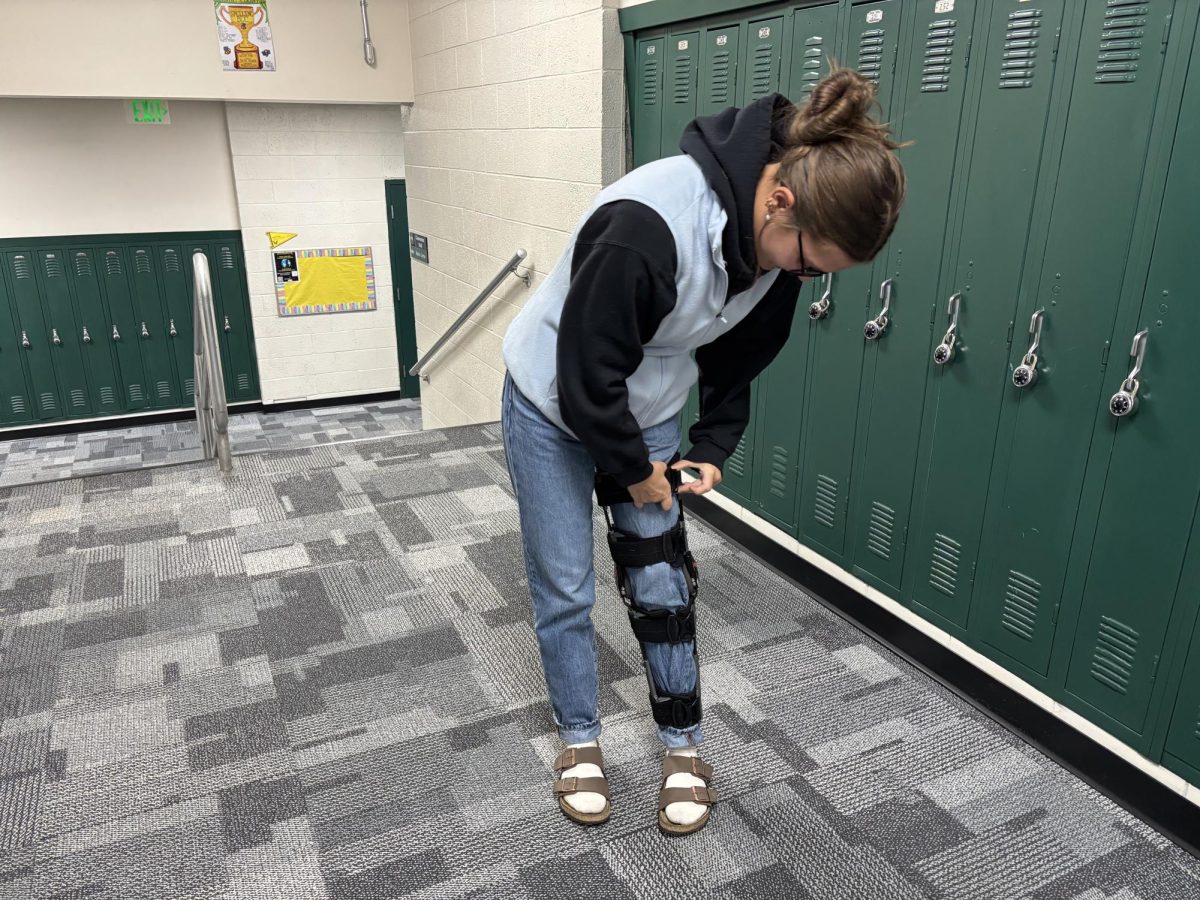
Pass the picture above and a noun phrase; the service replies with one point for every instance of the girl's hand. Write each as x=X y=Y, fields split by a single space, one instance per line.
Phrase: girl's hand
x=709 y=477
x=655 y=489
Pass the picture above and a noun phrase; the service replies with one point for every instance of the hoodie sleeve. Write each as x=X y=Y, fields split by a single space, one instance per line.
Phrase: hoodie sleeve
x=622 y=287
x=730 y=363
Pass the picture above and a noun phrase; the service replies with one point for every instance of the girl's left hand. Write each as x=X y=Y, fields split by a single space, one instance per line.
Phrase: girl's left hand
x=709 y=477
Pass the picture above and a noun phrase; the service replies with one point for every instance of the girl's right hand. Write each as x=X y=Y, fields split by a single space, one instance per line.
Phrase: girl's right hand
x=655 y=489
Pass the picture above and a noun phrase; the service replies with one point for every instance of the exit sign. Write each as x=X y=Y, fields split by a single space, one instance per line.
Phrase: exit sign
x=148 y=112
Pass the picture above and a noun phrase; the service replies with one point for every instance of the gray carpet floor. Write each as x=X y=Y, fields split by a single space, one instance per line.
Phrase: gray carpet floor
x=318 y=679
x=136 y=446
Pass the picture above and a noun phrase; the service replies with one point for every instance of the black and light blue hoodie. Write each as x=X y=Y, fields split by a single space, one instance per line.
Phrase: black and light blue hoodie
x=663 y=264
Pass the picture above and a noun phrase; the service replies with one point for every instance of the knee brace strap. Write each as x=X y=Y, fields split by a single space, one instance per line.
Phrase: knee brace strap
x=610 y=493
x=631 y=551
x=663 y=626
x=677 y=710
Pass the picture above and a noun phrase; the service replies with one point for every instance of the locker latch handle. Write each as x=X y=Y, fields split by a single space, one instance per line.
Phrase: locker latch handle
x=945 y=350
x=172 y=331
x=25 y=339
x=1026 y=373
x=820 y=309
x=874 y=329
x=54 y=338
x=87 y=337
x=228 y=327
x=1125 y=401
x=116 y=335
x=145 y=331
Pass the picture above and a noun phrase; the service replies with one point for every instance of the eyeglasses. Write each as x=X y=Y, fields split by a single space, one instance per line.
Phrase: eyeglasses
x=805 y=270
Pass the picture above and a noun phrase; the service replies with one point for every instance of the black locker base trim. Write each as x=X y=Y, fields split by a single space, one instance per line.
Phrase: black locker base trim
x=1126 y=785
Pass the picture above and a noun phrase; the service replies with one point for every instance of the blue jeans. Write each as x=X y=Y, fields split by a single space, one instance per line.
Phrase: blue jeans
x=553 y=476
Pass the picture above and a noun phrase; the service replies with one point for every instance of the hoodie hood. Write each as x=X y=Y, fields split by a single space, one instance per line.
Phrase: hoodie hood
x=732 y=148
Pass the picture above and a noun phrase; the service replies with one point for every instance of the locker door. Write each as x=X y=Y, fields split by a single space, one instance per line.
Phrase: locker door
x=998 y=184
x=174 y=269
x=65 y=336
x=1183 y=740
x=1045 y=429
x=837 y=342
x=123 y=327
x=234 y=329
x=153 y=335
x=33 y=335
x=1153 y=483
x=764 y=58
x=814 y=42
x=679 y=102
x=104 y=377
x=737 y=477
x=648 y=101
x=896 y=366
x=16 y=401
x=719 y=70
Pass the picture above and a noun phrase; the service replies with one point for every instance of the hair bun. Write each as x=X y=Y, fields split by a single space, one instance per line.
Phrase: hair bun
x=839 y=107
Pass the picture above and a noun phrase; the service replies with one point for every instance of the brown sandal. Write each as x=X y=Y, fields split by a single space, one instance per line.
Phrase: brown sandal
x=563 y=787
x=691 y=765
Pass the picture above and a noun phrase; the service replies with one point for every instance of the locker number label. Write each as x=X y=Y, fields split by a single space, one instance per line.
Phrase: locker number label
x=722 y=40
x=682 y=45
x=764 y=33
x=874 y=16
x=943 y=6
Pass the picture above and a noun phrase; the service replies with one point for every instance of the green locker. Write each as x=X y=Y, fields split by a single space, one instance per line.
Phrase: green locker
x=123 y=326
x=837 y=343
x=34 y=334
x=648 y=101
x=895 y=366
x=103 y=378
x=764 y=58
x=1037 y=480
x=718 y=76
x=814 y=42
x=1151 y=492
x=1182 y=754
x=679 y=106
x=234 y=330
x=16 y=402
x=63 y=332
x=174 y=272
x=999 y=182
x=153 y=336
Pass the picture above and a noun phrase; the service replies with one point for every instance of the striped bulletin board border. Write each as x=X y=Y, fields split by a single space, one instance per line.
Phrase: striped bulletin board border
x=316 y=295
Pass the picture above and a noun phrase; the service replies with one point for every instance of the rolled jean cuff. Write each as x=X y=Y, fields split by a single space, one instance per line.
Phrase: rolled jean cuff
x=580 y=734
x=678 y=738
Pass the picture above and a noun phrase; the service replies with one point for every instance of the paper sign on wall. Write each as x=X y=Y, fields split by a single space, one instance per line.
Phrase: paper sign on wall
x=279 y=237
x=244 y=35
x=333 y=280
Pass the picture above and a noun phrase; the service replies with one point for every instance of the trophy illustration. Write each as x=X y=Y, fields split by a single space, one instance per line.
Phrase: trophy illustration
x=243 y=18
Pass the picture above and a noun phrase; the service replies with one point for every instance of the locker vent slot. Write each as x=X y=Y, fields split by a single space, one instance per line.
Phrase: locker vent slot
x=1116 y=649
x=1121 y=41
x=141 y=262
x=83 y=265
x=164 y=390
x=761 y=74
x=721 y=76
x=78 y=398
x=683 y=78
x=939 y=56
x=1020 y=48
x=49 y=402
x=227 y=259
x=17 y=405
x=171 y=261
x=825 y=507
x=52 y=262
x=189 y=387
x=879 y=533
x=943 y=566
x=21 y=266
x=650 y=83
x=737 y=460
x=243 y=382
x=107 y=397
x=1021 y=602
x=811 y=67
x=779 y=470
x=112 y=263
x=136 y=395
x=870 y=54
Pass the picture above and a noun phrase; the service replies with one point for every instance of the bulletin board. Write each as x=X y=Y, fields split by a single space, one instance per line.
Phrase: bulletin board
x=330 y=280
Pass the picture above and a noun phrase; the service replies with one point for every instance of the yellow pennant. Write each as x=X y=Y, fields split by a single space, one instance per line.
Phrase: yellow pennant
x=280 y=237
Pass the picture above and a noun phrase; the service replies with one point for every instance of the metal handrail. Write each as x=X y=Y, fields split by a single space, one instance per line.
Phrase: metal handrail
x=212 y=408
x=511 y=266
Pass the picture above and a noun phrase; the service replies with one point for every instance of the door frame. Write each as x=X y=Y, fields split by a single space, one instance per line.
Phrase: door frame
x=396 y=194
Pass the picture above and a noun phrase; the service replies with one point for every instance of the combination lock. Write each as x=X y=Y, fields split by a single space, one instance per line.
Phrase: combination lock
x=874 y=329
x=1125 y=401
x=1026 y=373
x=820 y=309
x=945 y=350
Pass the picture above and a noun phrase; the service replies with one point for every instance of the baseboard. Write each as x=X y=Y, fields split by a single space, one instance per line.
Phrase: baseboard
x=1147 y=790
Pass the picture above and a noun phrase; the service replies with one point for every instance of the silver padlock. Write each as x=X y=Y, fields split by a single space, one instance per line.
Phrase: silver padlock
x=25 y=340
x=87 y=338
x=116 y=335
x=945 y=350
x=173 y=332
x=228 y=327
x=54 y=338
x=874 y=329
x=1026 y=373
x=820 y=309
x=145 y=331
x=1125 y=401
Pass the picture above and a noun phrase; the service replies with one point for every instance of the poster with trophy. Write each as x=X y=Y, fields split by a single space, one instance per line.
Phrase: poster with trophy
x=244 y=33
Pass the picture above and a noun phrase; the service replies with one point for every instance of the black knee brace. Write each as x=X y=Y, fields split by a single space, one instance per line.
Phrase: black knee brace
x=650 y=625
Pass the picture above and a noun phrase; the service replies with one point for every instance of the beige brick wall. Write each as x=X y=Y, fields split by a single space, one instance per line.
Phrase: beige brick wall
x=317 y=170
x=518 y=122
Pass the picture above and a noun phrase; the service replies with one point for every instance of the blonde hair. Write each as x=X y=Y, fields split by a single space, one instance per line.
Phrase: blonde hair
x=842 y=167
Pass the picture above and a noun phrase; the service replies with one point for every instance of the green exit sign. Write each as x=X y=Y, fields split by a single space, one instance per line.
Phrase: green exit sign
x=149 y=112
